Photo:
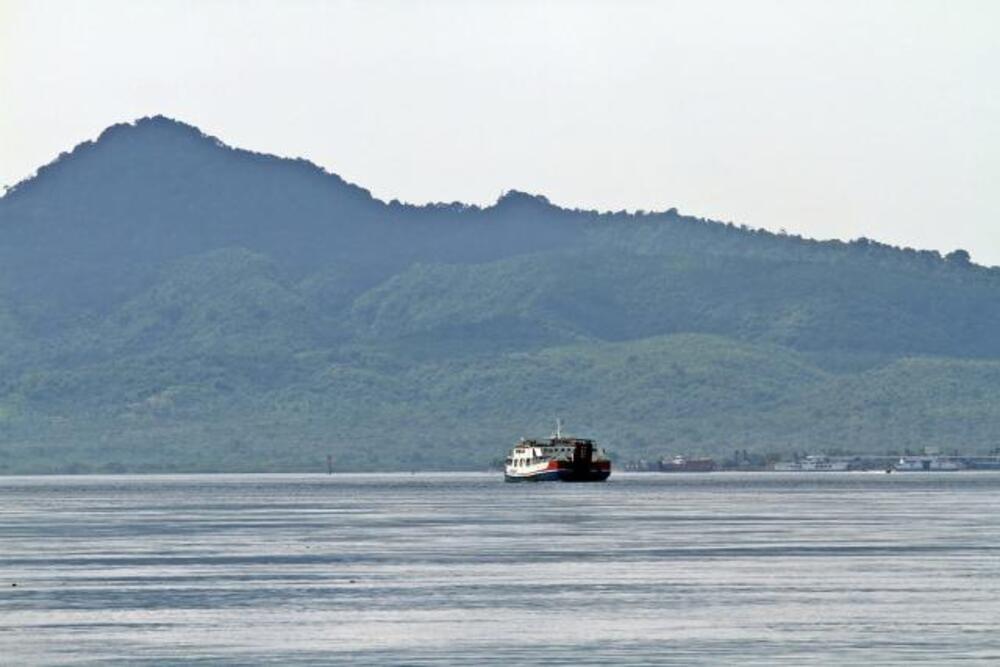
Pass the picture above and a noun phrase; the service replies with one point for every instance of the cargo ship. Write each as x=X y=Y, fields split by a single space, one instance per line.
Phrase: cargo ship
x=927 y=464
x=682 y=464
x=812 y=464
x=558 y=458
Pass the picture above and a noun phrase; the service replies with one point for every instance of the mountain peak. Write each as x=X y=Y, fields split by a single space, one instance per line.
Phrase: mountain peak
x=162 y=141
x=520 y=199
x=158 y=132
x=158 y=125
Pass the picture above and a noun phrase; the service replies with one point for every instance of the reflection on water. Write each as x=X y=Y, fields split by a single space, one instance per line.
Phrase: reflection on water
x=436 y=569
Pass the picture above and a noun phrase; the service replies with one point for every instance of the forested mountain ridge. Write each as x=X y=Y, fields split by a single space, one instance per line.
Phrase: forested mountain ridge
x=170 y=303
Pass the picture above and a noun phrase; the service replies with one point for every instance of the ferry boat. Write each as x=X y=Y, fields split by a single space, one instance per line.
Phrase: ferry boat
x=558 y=458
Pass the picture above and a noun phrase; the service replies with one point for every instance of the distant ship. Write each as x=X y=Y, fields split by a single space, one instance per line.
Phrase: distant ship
x=681 y=464
x=926 y=464
x=991 y=462
x=983 y=463
x=812 y=464
x=558 y=458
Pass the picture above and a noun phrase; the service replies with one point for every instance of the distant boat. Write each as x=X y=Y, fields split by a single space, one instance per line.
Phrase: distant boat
x=983 y=464
x=558 y=458
x=926 y=464
x=812 y=464
x=991 y=462
x=682 y=464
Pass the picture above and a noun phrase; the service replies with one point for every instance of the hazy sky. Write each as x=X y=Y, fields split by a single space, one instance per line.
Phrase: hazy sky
x=830 y=119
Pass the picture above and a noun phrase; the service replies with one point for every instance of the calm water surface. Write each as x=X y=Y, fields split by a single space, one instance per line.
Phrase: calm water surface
x=793 y=569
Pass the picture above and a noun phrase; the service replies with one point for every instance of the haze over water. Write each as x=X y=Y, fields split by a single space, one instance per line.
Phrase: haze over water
x=463 y=569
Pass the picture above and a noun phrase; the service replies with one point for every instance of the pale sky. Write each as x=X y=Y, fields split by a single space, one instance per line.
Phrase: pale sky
x=829 y=119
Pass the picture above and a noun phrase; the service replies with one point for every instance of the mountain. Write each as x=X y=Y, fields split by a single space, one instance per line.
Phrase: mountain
x=170 y=303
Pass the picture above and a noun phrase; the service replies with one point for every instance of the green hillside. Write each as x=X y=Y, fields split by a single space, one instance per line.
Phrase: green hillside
x=686 y=392
x=169 y=303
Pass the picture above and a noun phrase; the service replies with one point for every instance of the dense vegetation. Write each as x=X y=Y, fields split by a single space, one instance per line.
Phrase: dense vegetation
x=170 y=303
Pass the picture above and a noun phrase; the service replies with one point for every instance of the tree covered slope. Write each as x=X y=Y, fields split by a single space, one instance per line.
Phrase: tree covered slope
x=170 y=303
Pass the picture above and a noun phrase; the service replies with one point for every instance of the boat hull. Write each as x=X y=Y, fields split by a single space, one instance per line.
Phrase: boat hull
x=562 y=475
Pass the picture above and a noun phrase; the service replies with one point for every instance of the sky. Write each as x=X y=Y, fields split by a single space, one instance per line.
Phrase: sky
x=827 y=119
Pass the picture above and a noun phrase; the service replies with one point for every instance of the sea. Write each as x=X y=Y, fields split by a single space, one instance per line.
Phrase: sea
x=462 y=569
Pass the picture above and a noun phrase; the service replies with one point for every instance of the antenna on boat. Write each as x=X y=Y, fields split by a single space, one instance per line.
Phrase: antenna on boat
x=558 y=427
